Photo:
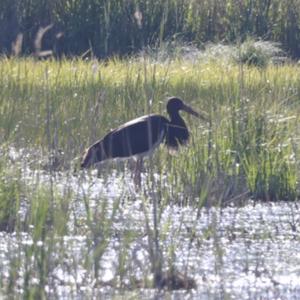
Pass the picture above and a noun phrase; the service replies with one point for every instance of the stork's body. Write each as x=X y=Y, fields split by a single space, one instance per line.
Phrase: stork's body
x=140 y=136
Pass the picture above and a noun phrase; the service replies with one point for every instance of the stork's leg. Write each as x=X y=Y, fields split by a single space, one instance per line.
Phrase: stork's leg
x=137 y=172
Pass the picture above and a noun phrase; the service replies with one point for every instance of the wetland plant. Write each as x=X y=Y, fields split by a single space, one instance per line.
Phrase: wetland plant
x=248 y=149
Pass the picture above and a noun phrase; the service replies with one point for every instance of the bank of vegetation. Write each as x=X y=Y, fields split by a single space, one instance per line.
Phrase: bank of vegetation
x=59 y=225
x=113 y=28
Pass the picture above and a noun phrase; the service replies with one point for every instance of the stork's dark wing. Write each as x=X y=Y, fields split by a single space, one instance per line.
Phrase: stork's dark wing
x=135 y=137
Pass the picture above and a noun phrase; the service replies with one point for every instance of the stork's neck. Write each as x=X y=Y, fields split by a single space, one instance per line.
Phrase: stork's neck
x=176 y=119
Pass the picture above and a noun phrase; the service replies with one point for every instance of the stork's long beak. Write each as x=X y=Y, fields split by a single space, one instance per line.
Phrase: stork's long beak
x=201 y=115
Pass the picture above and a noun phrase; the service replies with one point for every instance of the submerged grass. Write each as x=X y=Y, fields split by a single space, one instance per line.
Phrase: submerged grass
x=51 y=111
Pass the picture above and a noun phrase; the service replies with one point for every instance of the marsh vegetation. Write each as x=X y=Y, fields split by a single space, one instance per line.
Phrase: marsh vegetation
x=105 y=28
x=222 y=214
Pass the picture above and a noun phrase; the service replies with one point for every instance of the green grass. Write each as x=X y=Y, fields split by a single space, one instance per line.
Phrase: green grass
x=52 y=110
x=59 y=108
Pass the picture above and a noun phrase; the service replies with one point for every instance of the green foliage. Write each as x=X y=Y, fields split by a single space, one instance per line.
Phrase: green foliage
x=10 y=188
x=257 y=53
x=109 y=28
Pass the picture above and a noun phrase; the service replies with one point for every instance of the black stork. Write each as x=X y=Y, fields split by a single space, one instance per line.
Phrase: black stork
x=139 y=137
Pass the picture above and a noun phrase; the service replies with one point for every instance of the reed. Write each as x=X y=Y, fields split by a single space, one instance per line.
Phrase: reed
x=60 y=108
x=106 y=28
x=50 y=111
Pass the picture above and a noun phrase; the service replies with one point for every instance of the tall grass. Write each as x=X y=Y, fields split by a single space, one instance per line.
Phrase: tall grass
x=58 y=109
x=51 y=111
x=107 y=28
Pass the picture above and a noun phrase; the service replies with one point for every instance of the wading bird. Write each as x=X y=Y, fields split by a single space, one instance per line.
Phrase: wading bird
x=141 y=136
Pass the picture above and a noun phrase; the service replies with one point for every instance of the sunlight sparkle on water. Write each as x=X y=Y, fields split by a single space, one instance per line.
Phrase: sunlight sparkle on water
x=250 y=250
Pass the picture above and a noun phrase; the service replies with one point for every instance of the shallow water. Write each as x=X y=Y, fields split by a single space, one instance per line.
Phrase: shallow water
x=248 y=252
